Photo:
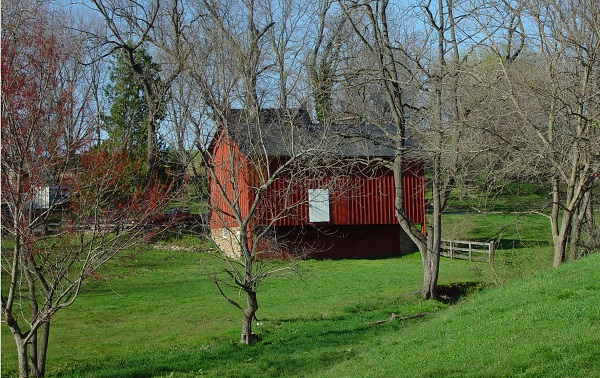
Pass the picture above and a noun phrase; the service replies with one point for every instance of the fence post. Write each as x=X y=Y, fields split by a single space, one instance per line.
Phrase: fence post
x=470 y=250
x=491 y=252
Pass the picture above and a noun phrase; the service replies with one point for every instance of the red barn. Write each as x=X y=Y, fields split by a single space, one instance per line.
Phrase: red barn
x=309 y=188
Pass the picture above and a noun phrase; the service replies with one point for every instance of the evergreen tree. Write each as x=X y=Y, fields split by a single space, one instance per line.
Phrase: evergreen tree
x=127 y=122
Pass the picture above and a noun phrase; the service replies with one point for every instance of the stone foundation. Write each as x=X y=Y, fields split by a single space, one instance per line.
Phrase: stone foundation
x=227 y=240
x=330 y=242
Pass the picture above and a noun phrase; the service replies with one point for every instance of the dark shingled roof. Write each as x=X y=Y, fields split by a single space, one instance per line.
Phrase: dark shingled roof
x=269 y=116
x=284 y=134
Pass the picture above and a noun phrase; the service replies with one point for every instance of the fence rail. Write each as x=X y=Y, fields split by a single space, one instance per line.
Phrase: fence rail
x=470 y=250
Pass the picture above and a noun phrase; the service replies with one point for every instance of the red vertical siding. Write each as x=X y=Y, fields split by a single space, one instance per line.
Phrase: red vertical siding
x=230 y=186
x=355 y=200
x=414 y=193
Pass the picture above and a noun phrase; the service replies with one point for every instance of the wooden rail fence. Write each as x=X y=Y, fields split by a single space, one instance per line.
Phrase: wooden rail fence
x=473 y=251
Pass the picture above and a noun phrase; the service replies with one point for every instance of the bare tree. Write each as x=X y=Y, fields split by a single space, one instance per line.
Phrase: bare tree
x=446 y=111
x=237 y=51
x=256 y=190
x=67 y=208
x=549 y=57
x=413 y=74
x=129 y=26
x=371 y=25
x=324 y=58
x=287 y=52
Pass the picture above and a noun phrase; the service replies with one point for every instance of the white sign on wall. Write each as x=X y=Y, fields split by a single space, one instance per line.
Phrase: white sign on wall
x=318 y=205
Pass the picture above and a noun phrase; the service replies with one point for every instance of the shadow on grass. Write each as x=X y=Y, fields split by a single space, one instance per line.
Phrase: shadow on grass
x=516 y=244
x=286 y=348
x=451 y=293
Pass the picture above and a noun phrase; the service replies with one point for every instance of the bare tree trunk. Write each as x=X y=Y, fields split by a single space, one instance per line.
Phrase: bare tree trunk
x=560 y=249
x=33 y=355
x=574 y=243
x=554 y=226
x=152 y=149
x=20 y=344
x=561 y=239
x=22 y=356
x=578 y=220
x=247 y=337
x=32 y=350
x=7 y=303
x=407 y=226
x=38 y=367
x=591 y=224
x=560 y=223
x=431 y=263
x=431 y=257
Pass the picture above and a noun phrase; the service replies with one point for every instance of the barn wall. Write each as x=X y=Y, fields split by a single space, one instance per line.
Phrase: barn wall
x=342 y=242
x=362 y=223
x=354 y=200
x=230 y=184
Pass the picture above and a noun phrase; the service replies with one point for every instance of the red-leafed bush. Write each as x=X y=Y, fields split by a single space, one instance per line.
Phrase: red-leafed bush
x=49 y=143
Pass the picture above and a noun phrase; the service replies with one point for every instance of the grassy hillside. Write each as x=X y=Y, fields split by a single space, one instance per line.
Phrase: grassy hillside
x=546 y=326
x=155 y=315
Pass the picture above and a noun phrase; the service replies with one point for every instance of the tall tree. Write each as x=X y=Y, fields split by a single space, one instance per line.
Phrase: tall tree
x=229 y=68
x=287 y=54
x=258 y=176
x=415 y=72
x=324 y=59
x=443 y=139
x=240 y=49
x=127 y=122
x=56 y=189
x=129 y=28
x=244 y=31
x=389 y=66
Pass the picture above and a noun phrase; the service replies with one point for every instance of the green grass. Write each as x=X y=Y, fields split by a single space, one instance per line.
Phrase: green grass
x=158 y=317
x=523 y=244
x=509 y=230
x=508 y=197
x=154 y=314
x=545 y=326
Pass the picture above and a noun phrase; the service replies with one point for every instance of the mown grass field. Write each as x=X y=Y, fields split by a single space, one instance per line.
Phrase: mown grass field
x=154 y=314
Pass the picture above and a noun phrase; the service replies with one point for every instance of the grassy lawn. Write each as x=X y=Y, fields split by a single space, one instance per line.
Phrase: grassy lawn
x=523 y=242
x=154 y=314
x=542 y=326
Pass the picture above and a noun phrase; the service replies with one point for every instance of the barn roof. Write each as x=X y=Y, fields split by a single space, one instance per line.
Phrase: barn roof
x=281 y=135
x=365 y=140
